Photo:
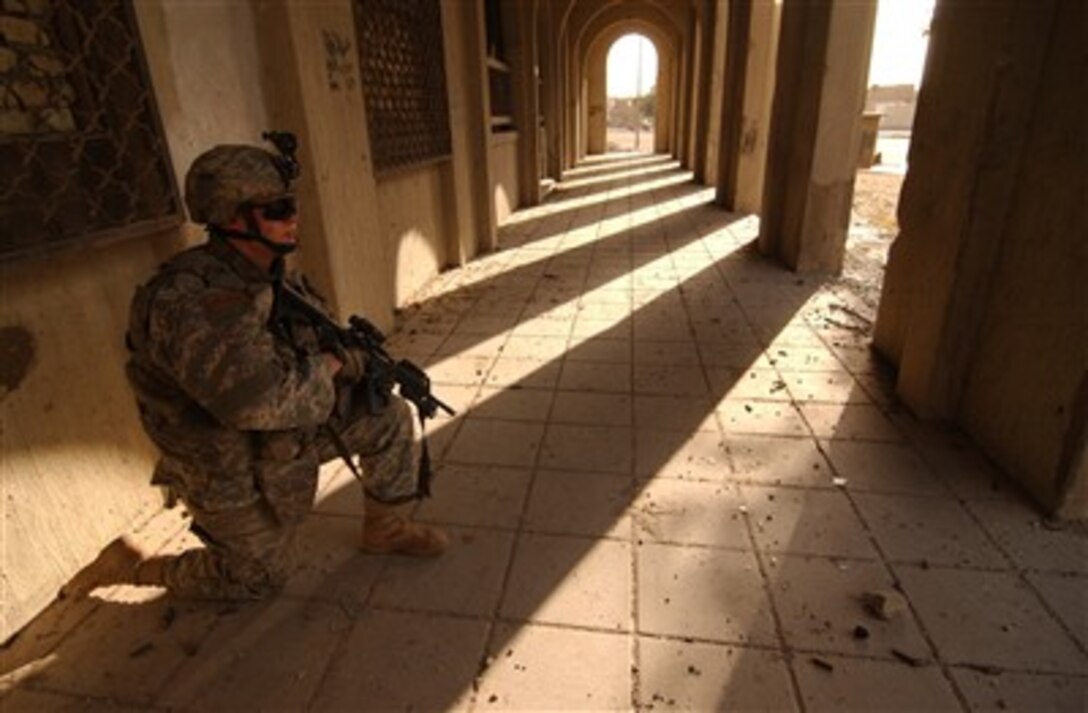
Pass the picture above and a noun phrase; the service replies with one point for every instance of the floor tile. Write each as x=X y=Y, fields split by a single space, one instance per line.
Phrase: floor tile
x=690 y=513
x=1067 y=596
x=615 y=328
x=548 y=668
x=606 y=449
x=837 y=387
x=999 y=624
x=458 y=370
x=883 y=467
x=329 y=562
x=237 y=674
x=131 y=647
x=675 y=413
x=820 y=604
x=767 y=418
x=728 y=345
x=675 y=454
x=514 y=372
x=488 y=442
x=513 y=404
x=587 y=504
x=849 y=422
x=669 y=380
x=572 y=581
x=966 y=472
x=711 y=594
x=939 y=532
x=703 y=677
x=596 y=377
x=388 y=654
x=472 y=346
x=666 y=353
x=436 y=584
x=593 y=409
x=23 y=699
x=543 y=327
x=812 y=522
x=599 y=349
x=485 y=324
x=861 y=685
x=480 y=496
x=797 y=358
x=534 y=347
x=1032 y=541
x=859 y=360
x=1021 y=691
x=770 y=460
x=754 y=383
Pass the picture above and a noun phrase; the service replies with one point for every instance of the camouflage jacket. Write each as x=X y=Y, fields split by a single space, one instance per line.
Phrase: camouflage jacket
x=232 y=401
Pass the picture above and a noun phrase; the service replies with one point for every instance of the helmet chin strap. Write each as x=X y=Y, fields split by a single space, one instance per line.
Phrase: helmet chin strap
x=253 y=234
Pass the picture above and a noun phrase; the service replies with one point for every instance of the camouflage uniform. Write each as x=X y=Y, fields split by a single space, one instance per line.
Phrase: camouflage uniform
x=238 y=408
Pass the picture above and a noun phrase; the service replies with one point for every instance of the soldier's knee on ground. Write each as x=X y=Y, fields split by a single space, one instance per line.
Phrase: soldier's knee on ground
x=258 y=578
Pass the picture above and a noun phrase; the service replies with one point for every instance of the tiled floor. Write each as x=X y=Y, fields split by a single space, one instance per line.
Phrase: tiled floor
x=673 y=475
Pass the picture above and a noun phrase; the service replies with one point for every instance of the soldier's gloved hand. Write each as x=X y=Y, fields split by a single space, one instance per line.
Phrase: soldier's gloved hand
x=354 y=361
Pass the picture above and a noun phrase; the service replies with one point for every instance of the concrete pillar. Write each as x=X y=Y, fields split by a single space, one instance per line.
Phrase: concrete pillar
x=473 y=219
x=673 y=104
x=552 y=90
x=732 y=102
x=524 y=71
x=597 y=101
x=570 y=104
x=747 y=197
x=313 y=89
x=717 y=89
x=983 y=301
x=686 y=95
x=823 y=64
x=704 y=32
x=662 y=112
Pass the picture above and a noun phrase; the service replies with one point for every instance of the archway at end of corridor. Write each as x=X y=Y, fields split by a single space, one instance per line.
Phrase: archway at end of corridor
x=632 y=94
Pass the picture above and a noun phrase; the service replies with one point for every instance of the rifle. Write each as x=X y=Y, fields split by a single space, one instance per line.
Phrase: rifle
x=382 y=370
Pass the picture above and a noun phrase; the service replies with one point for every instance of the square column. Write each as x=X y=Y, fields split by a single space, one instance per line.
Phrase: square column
x=822 y=69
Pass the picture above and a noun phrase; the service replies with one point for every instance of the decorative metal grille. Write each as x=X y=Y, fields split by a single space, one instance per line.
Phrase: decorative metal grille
x=404 y=81
x=82 y=153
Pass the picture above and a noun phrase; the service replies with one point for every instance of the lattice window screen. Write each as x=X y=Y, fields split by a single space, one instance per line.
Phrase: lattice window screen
x=404 y=81
x=82 y=153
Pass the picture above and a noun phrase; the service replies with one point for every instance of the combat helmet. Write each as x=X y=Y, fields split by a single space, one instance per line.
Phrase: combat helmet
x=227 y=177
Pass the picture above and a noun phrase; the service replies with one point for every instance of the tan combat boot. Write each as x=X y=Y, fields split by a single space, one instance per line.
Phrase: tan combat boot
x=386 y=530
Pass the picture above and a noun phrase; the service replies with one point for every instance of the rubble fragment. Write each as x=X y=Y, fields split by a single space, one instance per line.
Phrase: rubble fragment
x=885 y=604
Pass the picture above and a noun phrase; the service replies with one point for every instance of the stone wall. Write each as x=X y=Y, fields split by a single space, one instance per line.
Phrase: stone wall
x=75 y=467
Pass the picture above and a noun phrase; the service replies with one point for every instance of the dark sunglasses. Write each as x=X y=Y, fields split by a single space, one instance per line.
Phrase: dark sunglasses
x=280 y=209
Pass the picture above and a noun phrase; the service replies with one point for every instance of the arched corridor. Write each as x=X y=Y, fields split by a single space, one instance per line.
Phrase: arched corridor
x=674 y=473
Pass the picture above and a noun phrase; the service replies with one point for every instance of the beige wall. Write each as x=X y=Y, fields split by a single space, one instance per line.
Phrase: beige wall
x=412 y=212
x=504 y=175
x=75 y=467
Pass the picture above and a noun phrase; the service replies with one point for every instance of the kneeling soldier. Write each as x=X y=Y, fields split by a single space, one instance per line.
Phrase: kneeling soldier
x=243 y=401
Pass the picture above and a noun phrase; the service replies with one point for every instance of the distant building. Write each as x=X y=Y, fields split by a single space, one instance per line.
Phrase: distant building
x=896 y=102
